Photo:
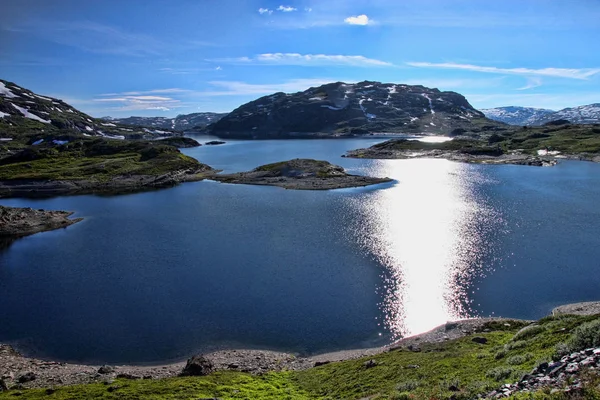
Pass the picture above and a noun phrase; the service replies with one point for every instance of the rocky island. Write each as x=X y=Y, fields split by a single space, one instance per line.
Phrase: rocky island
x=300 y=174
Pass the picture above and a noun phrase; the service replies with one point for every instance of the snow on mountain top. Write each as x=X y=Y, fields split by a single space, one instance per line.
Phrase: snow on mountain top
x=4 y=91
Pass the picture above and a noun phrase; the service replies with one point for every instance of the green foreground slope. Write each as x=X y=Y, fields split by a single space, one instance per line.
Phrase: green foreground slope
x=455 y=369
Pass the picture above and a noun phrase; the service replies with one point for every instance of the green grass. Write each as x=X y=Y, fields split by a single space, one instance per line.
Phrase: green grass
x=96 y=159
x=459 y=368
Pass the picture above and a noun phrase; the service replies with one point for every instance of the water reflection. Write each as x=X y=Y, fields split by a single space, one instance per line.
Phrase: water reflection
x=429 y=232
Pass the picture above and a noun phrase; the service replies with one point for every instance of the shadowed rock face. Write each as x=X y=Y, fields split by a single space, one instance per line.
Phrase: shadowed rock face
x=340 y=109
x=301 y=174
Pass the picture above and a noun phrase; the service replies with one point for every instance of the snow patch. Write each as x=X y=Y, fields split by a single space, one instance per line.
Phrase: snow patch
x=5 y=92
x=333 y=108
x=29 y=115
x=2 y=115
x=430 y=102
x=42 y=97
x=37 y=142
x=5 y=139
x=60 y=142
x=109 y=124
x=318 y=98
x=87 y=128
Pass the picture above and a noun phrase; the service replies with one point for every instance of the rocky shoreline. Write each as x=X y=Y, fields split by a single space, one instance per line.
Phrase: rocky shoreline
x=300 y=174
x=19 y=222
x=515 y=158
x=117 y=185
x=20 y=372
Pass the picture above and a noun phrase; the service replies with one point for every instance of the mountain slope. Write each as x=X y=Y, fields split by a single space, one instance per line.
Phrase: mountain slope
x=513 y=115
x=341 y=109
x=588 y=114
x=181 y=122
x=24 y=113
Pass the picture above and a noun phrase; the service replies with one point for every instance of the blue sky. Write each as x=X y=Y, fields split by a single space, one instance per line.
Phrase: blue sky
x=134 y=57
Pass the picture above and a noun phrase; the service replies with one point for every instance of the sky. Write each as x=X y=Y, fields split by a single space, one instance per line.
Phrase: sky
x=168 y=57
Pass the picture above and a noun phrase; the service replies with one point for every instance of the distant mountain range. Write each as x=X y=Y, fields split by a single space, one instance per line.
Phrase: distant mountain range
x=342 y=109
x=589 y=114
x=182 y=122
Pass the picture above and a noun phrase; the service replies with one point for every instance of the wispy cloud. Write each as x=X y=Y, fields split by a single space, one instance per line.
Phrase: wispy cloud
x=532 y=83
x=308 y=60
x=145 y=92
x=286 y=9
x=130 y=101
x=237 y=88
x=570 y=73
x=358 y=20
x=265 y=11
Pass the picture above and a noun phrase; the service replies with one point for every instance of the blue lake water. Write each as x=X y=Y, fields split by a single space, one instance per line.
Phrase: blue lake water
x=160 y=275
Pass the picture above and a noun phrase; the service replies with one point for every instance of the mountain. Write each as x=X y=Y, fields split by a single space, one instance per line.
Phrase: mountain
x=589 y=114
x=342 y=109
x=179 y=123
x=25 y=113
x=513 y=115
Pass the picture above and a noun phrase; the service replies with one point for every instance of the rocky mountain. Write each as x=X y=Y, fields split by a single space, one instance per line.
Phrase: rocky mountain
x=342 y=109
x=513 y=115
x=25 y=113
x=589 y=114
x=181 y=122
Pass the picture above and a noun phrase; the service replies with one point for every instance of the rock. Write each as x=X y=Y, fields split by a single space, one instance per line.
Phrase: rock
x=106 y=369
x=50 y=391
x=319 y=363
x=479 y=339
x=27 y=377
x=572 y=368
x=412 y=366
x=147 y=377
x=198 y=366
x=453 y=388
x=214 y=143
x=128 y=376
x=3 y=386
x=370 y=364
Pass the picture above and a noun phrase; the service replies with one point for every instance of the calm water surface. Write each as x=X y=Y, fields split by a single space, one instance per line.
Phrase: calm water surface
x=157 y=276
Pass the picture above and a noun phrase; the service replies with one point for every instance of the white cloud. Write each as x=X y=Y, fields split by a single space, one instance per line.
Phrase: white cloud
x=571 y=73
x=286 y=9
x=265 y=11
x=133 y=101
x=358 y=20
x=236 y=88
x=308 y=9
x=218 y=68
x=309 y=60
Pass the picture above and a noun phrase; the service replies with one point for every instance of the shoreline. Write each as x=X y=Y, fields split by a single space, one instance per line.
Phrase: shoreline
x=49 y=373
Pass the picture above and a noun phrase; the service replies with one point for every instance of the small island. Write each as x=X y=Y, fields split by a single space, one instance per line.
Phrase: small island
x=19 y=222
x=301 y=174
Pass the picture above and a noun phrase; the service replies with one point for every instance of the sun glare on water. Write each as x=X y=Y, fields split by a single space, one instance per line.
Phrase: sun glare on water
x=428 y=232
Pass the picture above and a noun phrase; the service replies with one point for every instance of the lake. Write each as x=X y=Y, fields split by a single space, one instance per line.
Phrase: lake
x=157 y=276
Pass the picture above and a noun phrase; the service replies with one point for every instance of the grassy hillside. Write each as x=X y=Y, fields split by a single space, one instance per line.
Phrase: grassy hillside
x=456 y=369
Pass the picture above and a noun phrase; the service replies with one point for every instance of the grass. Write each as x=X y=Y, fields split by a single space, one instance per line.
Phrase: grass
x=459 y=368
x=96 y=159
x=570 y=139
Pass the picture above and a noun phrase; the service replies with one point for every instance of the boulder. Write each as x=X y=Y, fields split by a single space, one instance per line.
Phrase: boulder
x=198 y=366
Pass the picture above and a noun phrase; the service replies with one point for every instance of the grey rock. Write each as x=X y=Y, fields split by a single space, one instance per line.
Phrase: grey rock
x=3 y=386
x=27 y=377
x=198 y=366
x=370 y=364
x=106 y=369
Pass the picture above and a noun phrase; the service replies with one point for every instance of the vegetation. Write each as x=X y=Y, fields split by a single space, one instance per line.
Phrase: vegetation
x=93 y=159
x=459 y=369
